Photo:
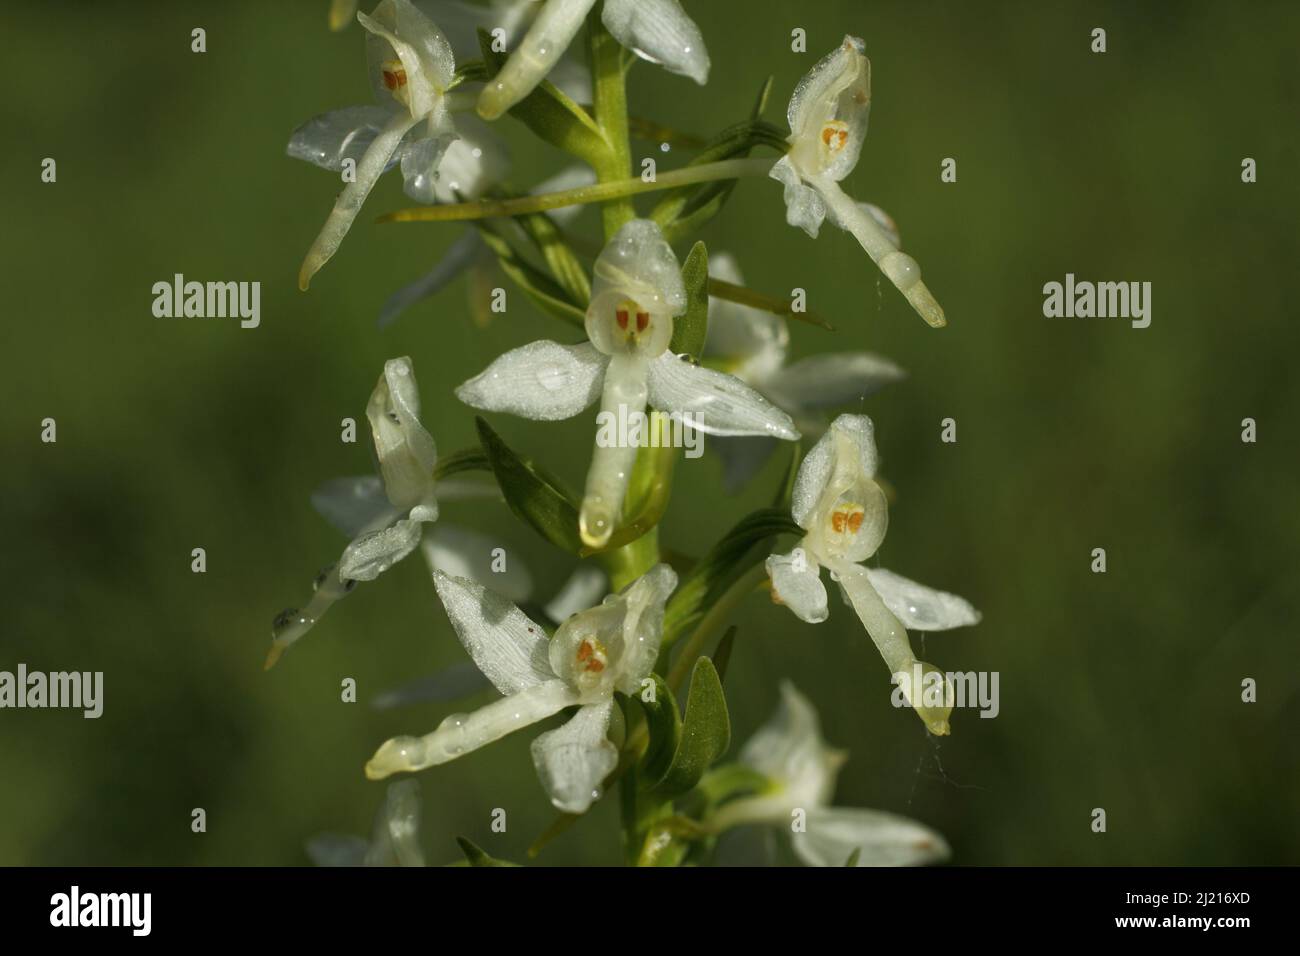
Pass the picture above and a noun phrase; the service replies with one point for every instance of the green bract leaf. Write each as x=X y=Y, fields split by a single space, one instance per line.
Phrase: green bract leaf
x=725 y=563
x=665 y=727
x=531 y=494
x=690 y=328
x=722 y=656
x=476 y=856
x=853 y=857
x=541 y=290
x=467 y=459
x=706 y=732
x=551 y=114
x=560 y=257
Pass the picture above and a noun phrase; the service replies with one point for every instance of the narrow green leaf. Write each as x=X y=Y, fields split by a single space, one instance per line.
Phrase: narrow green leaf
x=690 y=328
x=532 y=495
x=560 y=257
x=853 y=857
x=541 y=290
x=759 y=300
x=706 y=731
x=476 y=856
x=550 y=113
x=785 y=490
x=664 y=724
x=748 y=541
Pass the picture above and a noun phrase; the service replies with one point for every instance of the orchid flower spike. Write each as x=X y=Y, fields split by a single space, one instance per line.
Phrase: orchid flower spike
x=608 y=648
x=395 y=840
x=655 y=30
x=411 y=69
x=385 y=515
x=753 y=345
x=828 y=122
x=838 y=503
x=801 y=769
x=636 y=293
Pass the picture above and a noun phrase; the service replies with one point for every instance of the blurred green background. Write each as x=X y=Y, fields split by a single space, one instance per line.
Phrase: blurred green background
x=1119 y=691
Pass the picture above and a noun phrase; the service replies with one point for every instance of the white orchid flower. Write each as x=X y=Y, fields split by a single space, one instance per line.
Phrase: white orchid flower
x=386 y=514
x=828 y=123
x=655 y=30
x=411 y=69
x=801 y=769
x=395 y=840
x=844 y=512
x=636 y=293
x=752 y=345
x=607 y=648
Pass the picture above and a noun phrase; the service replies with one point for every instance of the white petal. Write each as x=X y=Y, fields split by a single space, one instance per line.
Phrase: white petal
x=637 y=264
x=473 y=162
x=643 y=626
x=882 y=839
x=460 y=255
x=833 y=379
x=406 y=451
x=804 y=207
x=544 y=381
x=789 y=749
x=797 y=583
x=398 y=29
x=328 y=139
x=508 y=647
x=396 y=840
x=837 y=90
x=461 y=552
x=354 y=505
x=753 y=342
x=585 y=588
x=353 y=197
x=574 y=759
x=918 y=607
x=331 y=849
x=421 y=166
x=460 y=734
x=742 y=458
x=372 y=554
x=661 y=32
x=556 y=25
x=717 y=403
x=818 y=465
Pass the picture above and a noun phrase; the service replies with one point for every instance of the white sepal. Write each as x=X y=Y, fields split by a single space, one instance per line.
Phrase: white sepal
x=575 y=758
x=508 y=647
x=661 y=32
x=719 y=404
x=542 y=381
x=797 y=583
x=832 y=834
x=918 y=607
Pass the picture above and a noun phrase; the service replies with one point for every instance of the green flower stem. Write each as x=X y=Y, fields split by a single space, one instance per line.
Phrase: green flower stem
x=713 y=622
x=583 y=195
x=609 y=89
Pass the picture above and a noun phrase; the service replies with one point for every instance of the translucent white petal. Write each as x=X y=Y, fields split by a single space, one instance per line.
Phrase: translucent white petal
x=918 y=607
x=881 y=839
x=460 y=734
x=753 y=342
x=406 y=451
x=396 y=839
x=804 y=207
x=717 y=403
x=420 y=161
x=473 y=162
x=507 y=647
x=828 y=112
x=797 y=583
x=399 y=31
x=349 y=202
x=818 y=465
x=354 y=505
x=789 y=749
x=574 y=759
x=534 y=56
x=585 y=588
x=838 y=378
x=544 y=381
x=461 y=255
x=742 y=458
x=461 y=552
x=661 y=32
x=328 y=139
x=331 y=849
x=643 y=626
x=374 y=553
